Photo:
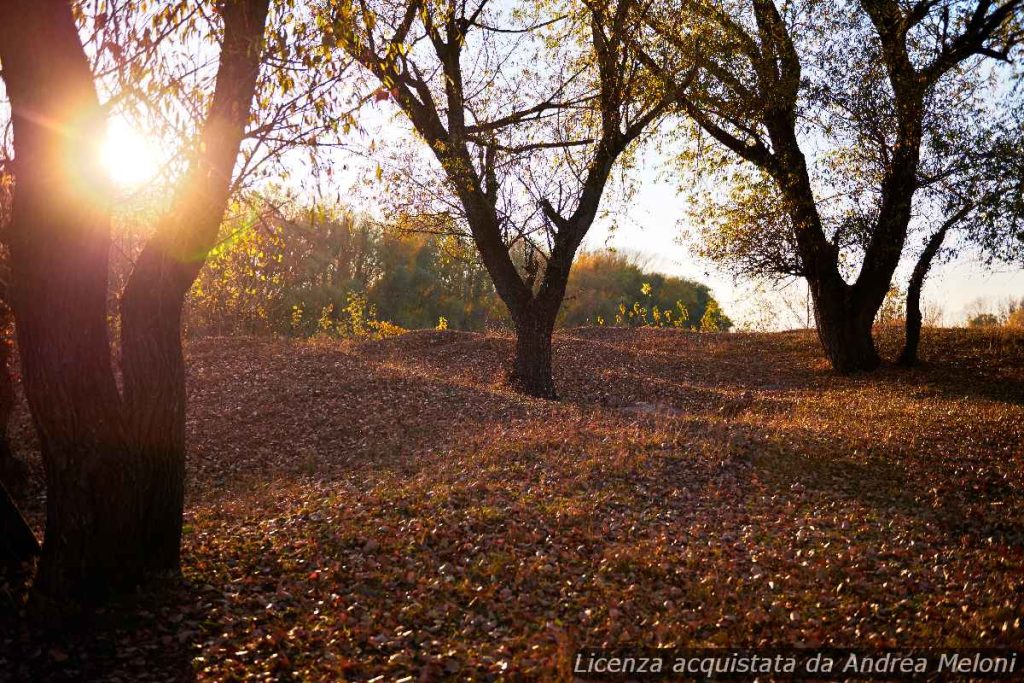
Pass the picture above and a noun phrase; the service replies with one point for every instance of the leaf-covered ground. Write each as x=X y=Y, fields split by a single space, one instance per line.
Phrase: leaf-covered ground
x=386 y=511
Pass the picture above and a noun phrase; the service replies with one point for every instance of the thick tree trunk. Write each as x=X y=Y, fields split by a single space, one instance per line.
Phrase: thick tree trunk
x=531 y=368
x=59 y=243
x=154 y=374
x=844 y=328
x=17 y=542
x=908 y=356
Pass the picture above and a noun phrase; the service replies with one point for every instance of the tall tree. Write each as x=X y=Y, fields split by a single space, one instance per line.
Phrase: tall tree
x=766 y=91
x=152 y=302
x=527 y=120
x=112 y=462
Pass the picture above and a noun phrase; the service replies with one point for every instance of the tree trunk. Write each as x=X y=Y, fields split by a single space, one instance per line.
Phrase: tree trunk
x=908 y=356
x=154 y=387
x=844 y=328
x=531 y=368
x=17 y=542
x=59 y=242
x=153 y=300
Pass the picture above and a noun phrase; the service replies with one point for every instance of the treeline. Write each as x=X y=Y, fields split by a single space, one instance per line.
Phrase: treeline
x=610 y=288
x=332 y=271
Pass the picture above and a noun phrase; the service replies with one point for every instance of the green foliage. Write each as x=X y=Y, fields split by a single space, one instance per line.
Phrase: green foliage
x=331 y=272
x=714 y=320
x=984 y=320
x=609 y=288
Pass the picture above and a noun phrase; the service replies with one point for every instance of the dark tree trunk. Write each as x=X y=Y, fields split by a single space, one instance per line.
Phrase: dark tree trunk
x=846 y=338
x=154 y=372
x=153 y=300
x=59 y=242
x=908 y=356
x=844 y=328
x=17 y=542
x=531 y=368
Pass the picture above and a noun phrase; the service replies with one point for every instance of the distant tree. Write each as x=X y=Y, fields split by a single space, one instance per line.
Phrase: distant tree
x=426 y=277
x=604 y=286
x=984 y=320
x=278 y=271
x=826 y=104
x=714 y=320
x=1015 y=317
x=115 y=464
x=526 y=144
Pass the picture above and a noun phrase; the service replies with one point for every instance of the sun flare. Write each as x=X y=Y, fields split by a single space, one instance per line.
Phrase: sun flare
x=130 y=158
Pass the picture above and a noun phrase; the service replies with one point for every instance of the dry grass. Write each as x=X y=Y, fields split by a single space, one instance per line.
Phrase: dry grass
x=388 y=509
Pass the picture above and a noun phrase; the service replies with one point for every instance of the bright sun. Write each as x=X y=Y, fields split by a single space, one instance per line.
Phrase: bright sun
x=130 y=158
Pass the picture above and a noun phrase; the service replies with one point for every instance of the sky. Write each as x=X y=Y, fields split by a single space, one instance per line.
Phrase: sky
x=650 y=225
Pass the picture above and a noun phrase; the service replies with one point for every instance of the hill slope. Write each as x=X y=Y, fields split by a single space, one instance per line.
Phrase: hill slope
x=386 y=508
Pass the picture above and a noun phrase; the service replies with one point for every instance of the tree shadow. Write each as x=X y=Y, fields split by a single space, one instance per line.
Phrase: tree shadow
x=979 y=503
x=960 y=363
x=152 y=635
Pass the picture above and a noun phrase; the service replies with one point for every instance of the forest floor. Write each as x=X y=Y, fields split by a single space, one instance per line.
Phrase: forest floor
x=386 y=509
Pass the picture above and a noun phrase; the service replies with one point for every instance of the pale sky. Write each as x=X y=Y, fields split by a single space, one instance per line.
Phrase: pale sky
x=651 y=226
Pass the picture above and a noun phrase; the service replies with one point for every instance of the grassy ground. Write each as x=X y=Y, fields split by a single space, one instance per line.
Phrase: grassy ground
x=386 y=509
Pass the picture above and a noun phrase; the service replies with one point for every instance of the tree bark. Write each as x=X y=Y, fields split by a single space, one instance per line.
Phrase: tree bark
x=844 y=328
x=909 y=356
x=59 y=242
x=17 y=542
x=153 y=300
x=531 y=368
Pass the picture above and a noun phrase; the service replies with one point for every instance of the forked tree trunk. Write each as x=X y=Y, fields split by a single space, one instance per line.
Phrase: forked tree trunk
x=914 y=319
x=114 y=469
x=531 y=368
x=844 y=328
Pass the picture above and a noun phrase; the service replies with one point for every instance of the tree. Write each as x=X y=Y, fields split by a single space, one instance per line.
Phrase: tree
x=980 y=194
x=861 y=79
x=152 y=302
x=17 y=542
x=113 y=463
x=984 y=320
x=613 y=288
x=527 y=176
